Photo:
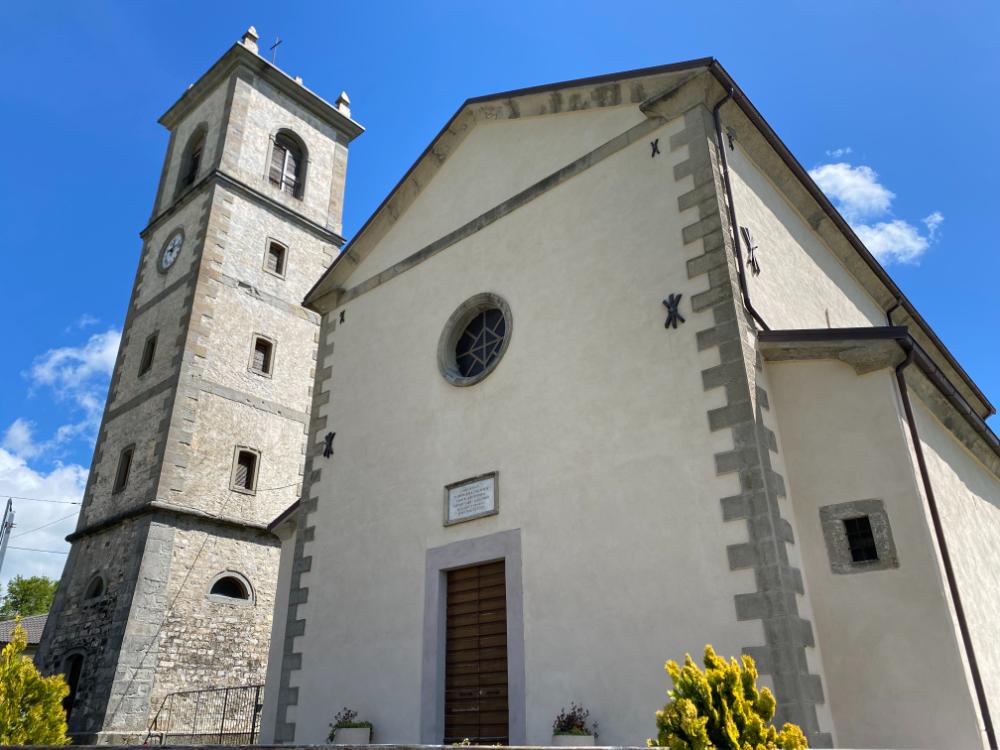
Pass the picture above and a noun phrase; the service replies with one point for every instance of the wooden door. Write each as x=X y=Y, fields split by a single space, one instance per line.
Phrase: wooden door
x=475 y=697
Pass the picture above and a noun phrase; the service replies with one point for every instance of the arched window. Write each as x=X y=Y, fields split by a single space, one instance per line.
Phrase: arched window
x=287 y=169
x=95 y=588
x=233 y=586
x=191 y=163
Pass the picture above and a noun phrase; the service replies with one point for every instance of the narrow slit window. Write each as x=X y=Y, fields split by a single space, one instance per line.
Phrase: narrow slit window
x=274 y=261
x=262 y=358
x=148 y=353
x=245 y=471
x=124 y=466
x=861 y=539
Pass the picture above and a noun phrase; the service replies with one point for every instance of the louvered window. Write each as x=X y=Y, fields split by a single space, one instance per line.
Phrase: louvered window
x=192 y=160
x=262 y=355
x=124 y=466
x=285 y=170
x=274 y=260
x=245 y=471
x=148 y=352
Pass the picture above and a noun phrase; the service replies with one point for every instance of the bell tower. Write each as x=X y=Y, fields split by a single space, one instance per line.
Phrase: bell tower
x=170 y=580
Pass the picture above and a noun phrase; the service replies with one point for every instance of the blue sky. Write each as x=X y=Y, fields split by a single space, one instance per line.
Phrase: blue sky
x=890 y=103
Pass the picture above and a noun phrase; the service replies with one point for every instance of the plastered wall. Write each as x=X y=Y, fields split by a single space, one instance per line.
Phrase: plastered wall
x=801 y=284
x=893 y=662
x=596 y=421
x=496 y=160
x=968 y=498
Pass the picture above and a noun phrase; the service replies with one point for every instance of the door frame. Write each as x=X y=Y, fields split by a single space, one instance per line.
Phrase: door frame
x=503 y=545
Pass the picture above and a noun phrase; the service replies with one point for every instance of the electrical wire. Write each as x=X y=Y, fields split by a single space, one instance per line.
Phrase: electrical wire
x=44 y=525
x=32 y=549
x=43 y=500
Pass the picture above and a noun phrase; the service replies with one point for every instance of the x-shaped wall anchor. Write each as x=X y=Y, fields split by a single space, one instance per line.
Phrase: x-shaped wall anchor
x=752 y=262
x=673 y=315
x=328 y=444
x=655 y=146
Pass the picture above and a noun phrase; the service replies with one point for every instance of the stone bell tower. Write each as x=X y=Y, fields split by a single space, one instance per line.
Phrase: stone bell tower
x=170 y=580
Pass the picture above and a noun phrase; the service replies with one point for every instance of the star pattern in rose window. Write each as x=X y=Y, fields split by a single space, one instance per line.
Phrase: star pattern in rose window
x=480 y=343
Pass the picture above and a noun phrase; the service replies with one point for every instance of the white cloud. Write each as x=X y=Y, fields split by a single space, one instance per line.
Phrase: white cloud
x=856 y=190
x=64 y=482
x=839 y=153
x=933 y=222
x=893 y=241
x=867 y=205
x=19 y=440
x=78 y=374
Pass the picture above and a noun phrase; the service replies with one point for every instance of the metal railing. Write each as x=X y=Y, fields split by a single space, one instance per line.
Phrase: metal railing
x=217 y=716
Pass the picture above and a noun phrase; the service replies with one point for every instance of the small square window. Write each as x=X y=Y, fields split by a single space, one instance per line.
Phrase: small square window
x=262 y=356
x=124 y=466
x=245 y=469
x=148 y=353
x=275 y=257
x=858 y=536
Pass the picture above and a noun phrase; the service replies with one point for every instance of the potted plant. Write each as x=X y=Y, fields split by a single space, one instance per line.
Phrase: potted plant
x=347 y=730
x=570 y=728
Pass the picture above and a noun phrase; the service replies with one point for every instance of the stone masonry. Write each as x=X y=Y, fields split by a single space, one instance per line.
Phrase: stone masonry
x=159 y=544
x=779 y=583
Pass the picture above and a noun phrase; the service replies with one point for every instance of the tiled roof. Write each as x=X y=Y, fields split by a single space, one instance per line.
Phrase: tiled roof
x=33 y=627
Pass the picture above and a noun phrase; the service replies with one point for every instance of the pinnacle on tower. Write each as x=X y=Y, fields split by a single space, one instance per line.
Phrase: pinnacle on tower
x=249 y=39
x=343 y=104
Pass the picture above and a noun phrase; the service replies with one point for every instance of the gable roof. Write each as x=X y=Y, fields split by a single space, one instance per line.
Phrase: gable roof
x=33 y=628
x=605 y=90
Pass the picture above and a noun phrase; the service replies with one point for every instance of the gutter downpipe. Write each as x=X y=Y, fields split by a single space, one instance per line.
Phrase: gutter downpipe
x=734 y=226
x=949 y=571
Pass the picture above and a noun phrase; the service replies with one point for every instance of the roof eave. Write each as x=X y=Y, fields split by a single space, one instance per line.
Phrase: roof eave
x=751 y=112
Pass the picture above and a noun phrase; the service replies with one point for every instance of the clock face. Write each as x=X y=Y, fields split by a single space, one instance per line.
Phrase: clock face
x=170 y=251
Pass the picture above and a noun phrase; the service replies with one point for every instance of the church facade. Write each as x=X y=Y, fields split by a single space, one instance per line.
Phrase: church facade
x=607 y=378
x=170 y=581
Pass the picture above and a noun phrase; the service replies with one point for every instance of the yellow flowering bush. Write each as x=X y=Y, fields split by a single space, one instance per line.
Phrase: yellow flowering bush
x=720 y=709
x=31 y=711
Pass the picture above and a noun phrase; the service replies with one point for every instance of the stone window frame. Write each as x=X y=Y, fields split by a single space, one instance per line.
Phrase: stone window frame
x=832 y=519
x=256 y=469
x=455 y=327
x=254 y=338
x=284 y=262
x=91 y=597
x=120 y=482
x=251 y=599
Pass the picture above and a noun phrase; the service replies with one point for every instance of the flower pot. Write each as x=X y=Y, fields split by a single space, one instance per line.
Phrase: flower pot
x=352 y=736
x=573 y=740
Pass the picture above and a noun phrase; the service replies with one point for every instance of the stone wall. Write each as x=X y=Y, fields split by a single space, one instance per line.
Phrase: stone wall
x=94 y=627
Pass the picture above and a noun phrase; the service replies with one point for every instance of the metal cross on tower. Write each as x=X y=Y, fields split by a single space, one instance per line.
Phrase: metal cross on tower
x=274 y=49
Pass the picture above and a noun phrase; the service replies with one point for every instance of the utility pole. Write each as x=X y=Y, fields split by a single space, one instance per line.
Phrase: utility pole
x=5 y=528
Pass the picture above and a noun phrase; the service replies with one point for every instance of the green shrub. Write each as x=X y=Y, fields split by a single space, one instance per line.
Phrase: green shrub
x=31 y=711
x=721 y=709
